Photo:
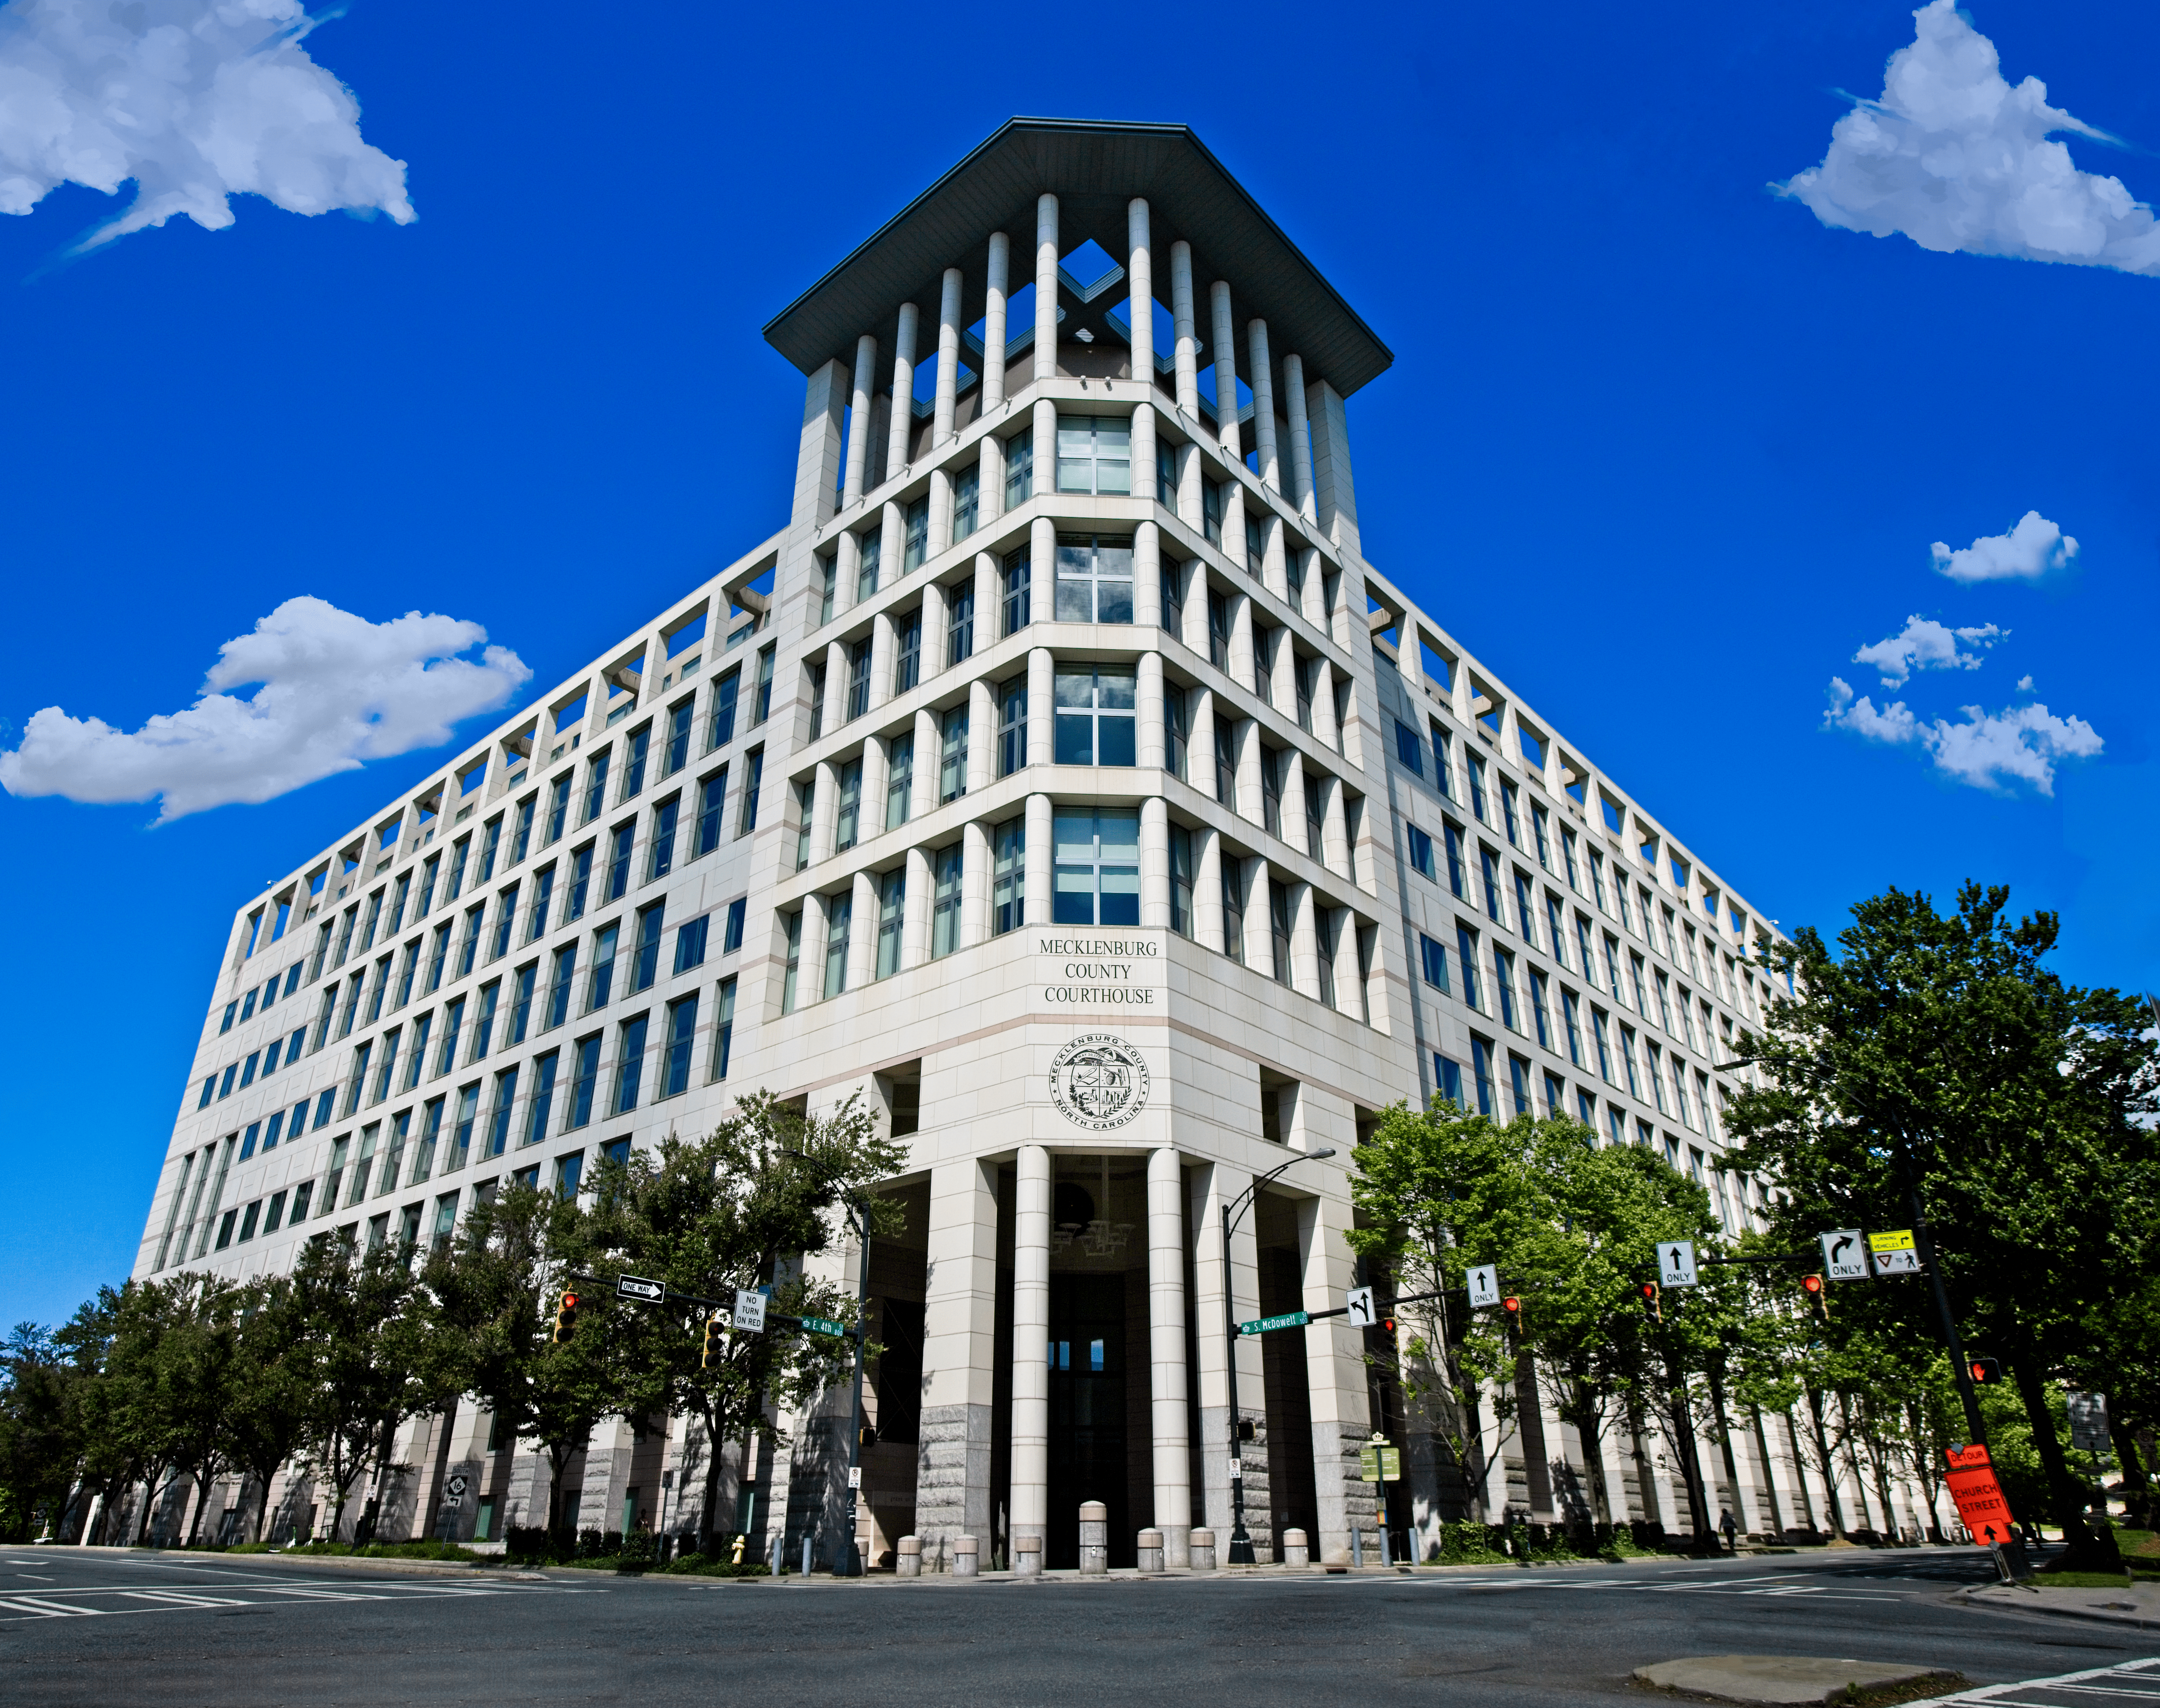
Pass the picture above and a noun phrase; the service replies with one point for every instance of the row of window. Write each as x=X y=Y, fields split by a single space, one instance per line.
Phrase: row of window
x=476 y=1122
x=1094 y=880
x=364 y=999
x=1661 y=1070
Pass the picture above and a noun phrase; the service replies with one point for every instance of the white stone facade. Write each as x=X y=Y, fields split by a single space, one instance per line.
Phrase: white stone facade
x=1294 y=781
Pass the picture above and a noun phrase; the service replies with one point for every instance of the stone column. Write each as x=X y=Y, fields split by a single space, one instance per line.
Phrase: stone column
x=994 y=324
x=1166 y=1371
x=1154 y=862
x=810 y=969
x=1211 y=1188
x=1045 y=423
x=1293 y=799
x=1187 y=354
x=862 y=929
x=1264 y=403
x=1208 y=891
x=960 y=1342
x=1335 y=496
x=859 y=420
x=1031 y=1370
x=824 y=809
x=835 y=705
x=1300 y=437
x=989 y=480
x=975 y=883
x=885 y=642
x=1039 y=830
x=1259 y=929
x=1243 y=667
x=989 y=614
x=902 y=427
x=923 y=799
x=1147 y=575
x=914 y=915
x=1042 y=707
x=1334 y=1376
x=1202 y=740
x=1226 y=396
x=820 y=456
x=948 y=356
x=1245 y=737
x=1144 y=455
x=1323 y=704
x=1149 y=697
x=1046 y=291
x=982 y=726
x=892 y=542
x=1334 y=829
x=1140 y=284
x=1303 y=942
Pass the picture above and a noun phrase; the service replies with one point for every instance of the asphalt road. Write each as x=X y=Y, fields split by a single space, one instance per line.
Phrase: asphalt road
x=113 y=1627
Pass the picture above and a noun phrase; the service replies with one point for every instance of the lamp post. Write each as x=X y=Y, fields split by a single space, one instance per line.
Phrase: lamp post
x=1233 y=1211
x=859 y=1221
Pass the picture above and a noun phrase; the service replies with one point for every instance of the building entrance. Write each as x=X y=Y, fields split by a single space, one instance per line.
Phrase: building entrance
x=1088 y=1425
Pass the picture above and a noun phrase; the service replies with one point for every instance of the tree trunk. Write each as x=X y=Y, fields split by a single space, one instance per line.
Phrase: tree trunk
x=2136 y=1490
x=202 y=1504
x=559 y=1456
x=263 y=1502
x=1724 y=1436
x=708 y=1530
x=1826 y=1461
x=2065 y=1492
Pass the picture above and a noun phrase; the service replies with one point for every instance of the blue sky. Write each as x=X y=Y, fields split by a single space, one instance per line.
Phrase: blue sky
x=1662 y=446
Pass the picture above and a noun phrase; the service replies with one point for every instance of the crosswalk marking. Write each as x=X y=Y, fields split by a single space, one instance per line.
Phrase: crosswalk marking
x=15 y=1605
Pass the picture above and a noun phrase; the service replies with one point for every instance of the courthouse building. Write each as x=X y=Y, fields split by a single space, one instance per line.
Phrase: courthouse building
x=1062 y=778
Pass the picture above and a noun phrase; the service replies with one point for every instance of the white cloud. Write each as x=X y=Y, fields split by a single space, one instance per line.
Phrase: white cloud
x=1987 y=751
x=1926 y=645
x=197 y=101
x=2024 y=684
x=1955 y=159
x=2027 y=552
x=336 y=690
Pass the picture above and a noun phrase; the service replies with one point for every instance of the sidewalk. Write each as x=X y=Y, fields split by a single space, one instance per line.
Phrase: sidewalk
x=2138 y=1605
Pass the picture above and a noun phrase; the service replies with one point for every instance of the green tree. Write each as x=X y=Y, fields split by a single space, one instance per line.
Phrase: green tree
x=369 y=1373
x=494 y=1296
x=272 y=1393
x=721 y=1213
x=195 y=1360
x=1933 y=1073
x=41 y=1431
x=133 y=1406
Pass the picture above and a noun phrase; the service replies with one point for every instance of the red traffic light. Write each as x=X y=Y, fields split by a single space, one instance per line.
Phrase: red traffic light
x=1650 y=1291
x=569 y=1301
x=1513 y=1306
x=1814 y=1283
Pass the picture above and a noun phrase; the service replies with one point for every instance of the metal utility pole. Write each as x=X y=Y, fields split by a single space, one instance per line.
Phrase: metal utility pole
x=1233 y=1212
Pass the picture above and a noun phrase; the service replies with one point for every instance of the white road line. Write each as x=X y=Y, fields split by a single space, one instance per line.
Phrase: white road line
x=1997 y=1696
x=51 y=1609
x=186 y=1598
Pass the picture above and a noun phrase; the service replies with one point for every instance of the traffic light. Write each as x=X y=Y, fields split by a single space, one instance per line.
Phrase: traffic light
x=566 y=1317
x=869 y=1436
x=1984 y=1371
x=1649 y=1290
x=1813 y=1286
x=712 y=1355
x=1511 y=1313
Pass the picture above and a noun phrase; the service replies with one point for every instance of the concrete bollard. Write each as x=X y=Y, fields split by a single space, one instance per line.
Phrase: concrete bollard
x=1203 y=1550
x=909 y=1563
x=1027 y=1556
x=1150 y=1550
x=1094 y=1537
x=1296 y=1550
x=966 y=1556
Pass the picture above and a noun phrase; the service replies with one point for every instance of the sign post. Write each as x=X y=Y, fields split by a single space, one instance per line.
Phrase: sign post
x=1980 y=1502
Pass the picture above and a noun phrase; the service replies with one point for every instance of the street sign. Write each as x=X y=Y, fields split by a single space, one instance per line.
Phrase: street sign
x=749 y=1310
x=637 y=1287
x=1268 y=1325
x=1380 y=1462
x=458 y=1485
x=1894 y=1253
x=1236 y=1471
x=1484 y=1286
x=1360 y=1304
x=2088 y=1422
x=854 y=1476
x=1676 y=1263
x=1979 y=1496
x=1845 y=1256
x=823 y=1325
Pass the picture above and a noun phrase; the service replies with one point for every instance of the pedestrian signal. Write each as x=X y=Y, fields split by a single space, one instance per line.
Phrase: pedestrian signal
x=566 y=1317
x=1984 y=1371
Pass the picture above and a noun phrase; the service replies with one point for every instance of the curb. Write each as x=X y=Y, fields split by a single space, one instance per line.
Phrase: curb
x=391 y=1567
x=1972 y=1597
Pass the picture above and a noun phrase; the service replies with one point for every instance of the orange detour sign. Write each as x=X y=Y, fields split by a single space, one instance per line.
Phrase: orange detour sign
x=1979 y=1496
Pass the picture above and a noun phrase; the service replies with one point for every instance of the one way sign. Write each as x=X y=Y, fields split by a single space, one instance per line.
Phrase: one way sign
x=1676 y=1263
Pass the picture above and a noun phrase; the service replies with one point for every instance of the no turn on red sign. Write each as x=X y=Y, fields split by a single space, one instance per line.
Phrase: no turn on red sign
x=1979 y=1496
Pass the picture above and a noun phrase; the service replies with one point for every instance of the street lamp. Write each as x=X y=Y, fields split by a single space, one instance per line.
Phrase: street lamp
x=1234 y=1210
x=858 y=1221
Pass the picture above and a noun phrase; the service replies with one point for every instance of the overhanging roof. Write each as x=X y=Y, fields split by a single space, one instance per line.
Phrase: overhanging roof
x=1093 y=169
